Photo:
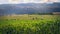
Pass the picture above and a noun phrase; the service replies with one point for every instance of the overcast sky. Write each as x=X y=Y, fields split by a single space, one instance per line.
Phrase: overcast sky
x=25 y=1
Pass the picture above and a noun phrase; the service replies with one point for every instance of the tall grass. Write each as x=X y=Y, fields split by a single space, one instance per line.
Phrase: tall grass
x=30 y=24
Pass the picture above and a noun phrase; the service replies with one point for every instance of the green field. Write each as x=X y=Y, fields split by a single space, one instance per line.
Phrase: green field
x=30 y=24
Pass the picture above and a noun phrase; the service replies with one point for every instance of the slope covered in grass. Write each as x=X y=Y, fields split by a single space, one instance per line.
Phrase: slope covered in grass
x=30 y=24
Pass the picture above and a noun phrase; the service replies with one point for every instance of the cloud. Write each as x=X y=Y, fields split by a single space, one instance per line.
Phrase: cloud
x=54 y=0
x=26 y=1
x=13 y=1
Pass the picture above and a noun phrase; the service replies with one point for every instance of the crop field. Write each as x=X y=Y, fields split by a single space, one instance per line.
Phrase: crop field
x=30 y=24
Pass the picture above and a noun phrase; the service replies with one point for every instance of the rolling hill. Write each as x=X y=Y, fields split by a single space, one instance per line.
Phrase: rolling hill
x=29 y=8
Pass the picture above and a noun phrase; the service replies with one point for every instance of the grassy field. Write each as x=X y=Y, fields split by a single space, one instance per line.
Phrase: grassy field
x=30 y=24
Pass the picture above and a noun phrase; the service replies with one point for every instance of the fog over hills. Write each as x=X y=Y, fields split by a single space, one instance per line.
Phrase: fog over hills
x=29 y=8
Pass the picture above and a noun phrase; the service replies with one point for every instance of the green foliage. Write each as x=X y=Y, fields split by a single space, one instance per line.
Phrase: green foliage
x=32 y=24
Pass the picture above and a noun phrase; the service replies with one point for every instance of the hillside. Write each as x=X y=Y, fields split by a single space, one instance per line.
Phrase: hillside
x=28 y=8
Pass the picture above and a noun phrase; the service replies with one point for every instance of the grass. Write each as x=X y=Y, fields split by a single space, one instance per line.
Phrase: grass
x=30 y=24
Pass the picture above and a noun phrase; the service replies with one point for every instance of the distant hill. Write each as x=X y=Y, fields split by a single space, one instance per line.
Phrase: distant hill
x=29 y=8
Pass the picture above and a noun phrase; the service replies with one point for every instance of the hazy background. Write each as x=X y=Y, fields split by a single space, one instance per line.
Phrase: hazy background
x=28 y=6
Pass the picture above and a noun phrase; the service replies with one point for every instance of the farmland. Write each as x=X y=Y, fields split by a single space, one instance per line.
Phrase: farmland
x=30 y=24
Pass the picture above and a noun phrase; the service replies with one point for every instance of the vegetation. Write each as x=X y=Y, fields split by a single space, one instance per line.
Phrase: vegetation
x=30 y=24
